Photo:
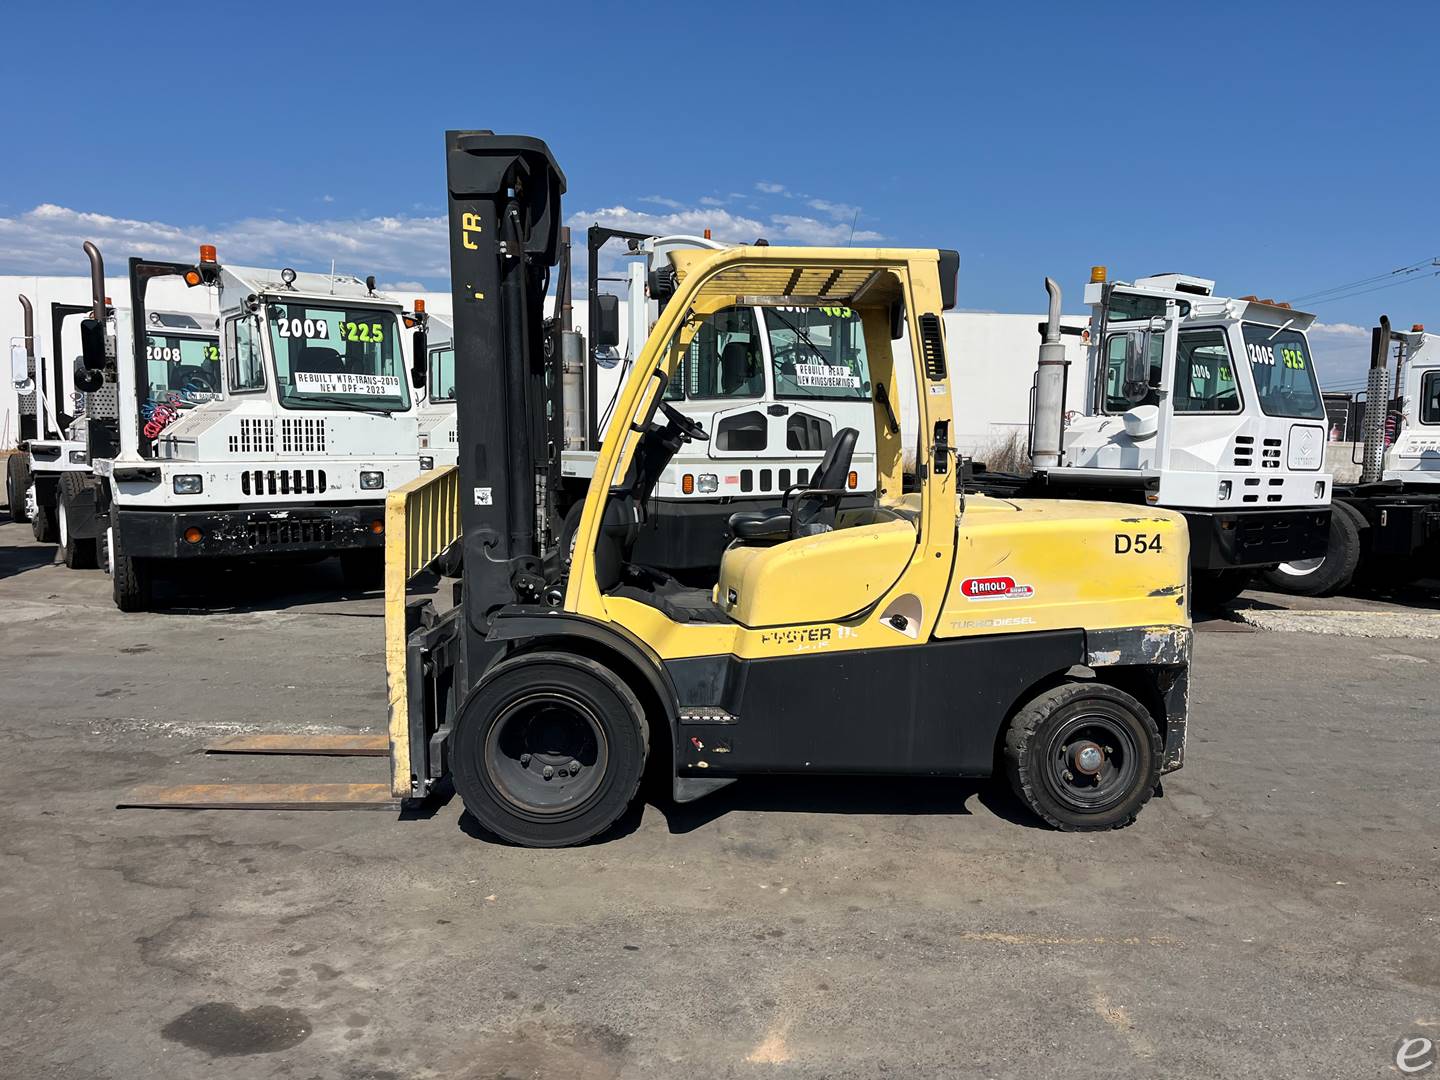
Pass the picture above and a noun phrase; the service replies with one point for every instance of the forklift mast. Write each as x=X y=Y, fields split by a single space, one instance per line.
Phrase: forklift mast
x=504 y=200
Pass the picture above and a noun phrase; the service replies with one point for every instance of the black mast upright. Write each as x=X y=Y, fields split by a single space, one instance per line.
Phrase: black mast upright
x=504 y=195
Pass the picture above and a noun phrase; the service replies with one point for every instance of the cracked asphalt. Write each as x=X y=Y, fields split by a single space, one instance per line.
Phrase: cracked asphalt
x=1274 y=914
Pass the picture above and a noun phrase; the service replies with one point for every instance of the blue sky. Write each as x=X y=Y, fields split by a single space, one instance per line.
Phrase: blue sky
x=1280 y=149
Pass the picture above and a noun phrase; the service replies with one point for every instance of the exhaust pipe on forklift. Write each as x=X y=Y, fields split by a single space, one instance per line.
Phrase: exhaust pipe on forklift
x=1047 y=442
x=1377 y=402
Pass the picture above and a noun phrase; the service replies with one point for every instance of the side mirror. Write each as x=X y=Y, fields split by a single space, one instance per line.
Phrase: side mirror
x=605 y=334
x=1137 y=365
x=19 y=366
x=420 y=350
x=92 y=344
x=87 y=381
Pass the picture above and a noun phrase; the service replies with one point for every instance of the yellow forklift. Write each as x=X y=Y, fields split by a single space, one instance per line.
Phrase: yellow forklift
x=931 y=633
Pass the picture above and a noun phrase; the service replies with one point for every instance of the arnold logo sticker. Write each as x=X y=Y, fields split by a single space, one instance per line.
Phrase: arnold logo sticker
x=995 y=588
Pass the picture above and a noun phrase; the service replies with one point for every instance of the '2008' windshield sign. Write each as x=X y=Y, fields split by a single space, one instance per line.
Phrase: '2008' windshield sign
x=315 y=382
x=826 y=375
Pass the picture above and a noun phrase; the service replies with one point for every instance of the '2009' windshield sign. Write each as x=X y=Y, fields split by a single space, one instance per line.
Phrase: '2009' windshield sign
x=319 y=329
x=316 y=382
x=826 y=375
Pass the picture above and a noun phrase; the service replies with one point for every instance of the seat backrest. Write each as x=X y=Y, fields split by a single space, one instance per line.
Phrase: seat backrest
x=816 y=513
x=318 y=359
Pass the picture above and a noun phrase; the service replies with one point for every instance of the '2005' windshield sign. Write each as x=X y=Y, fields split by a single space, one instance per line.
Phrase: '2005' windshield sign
x=315 y=382
x=826 y=375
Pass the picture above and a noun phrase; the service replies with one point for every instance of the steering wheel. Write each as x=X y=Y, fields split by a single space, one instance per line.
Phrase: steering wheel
x=688 y=427
x=206 y=380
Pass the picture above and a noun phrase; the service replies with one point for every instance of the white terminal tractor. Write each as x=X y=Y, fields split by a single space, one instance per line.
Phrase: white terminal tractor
x=312 y=422
x=1194 y=402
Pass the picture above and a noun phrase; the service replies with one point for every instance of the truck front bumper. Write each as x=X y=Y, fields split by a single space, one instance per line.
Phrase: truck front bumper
x=250 y=533
x=1242 y=539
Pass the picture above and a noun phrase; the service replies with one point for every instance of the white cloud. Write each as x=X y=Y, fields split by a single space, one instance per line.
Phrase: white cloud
x=710 y=200
x=47 y=240
x=327 y=198
x=839 y=211
x=1342 y=353
x=661 y=200
x=769 y=188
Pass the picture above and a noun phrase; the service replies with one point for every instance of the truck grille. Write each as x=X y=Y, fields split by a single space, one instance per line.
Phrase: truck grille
x=1271 y=459
x=1244 y=451
x=257 y=436
x=302 y=435
x=282 y=481
x=271 y=533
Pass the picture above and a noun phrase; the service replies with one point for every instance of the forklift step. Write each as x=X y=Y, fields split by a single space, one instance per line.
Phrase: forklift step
x=261 y=797
x=310 y=745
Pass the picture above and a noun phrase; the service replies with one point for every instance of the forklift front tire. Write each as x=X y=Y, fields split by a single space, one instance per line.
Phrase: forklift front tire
x=549 y=749
x=17 y=482
x=1084 y=756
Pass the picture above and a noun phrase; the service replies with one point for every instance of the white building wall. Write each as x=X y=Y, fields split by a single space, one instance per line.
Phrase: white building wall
x=992 y=356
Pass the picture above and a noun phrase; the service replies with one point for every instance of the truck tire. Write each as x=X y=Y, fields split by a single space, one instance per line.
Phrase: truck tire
x=130 y=577
x=1211 y=590
x=1104 y=741
x=42 y=523
x=76 y=552
x=536 y=715
x=1333 y=571
x=17 y=482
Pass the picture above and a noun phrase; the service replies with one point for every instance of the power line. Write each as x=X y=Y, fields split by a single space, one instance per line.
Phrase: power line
x=1389 y=278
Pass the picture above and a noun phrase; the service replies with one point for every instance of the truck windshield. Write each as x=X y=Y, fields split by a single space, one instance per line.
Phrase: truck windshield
x=818 y=352
x=442 y=373
x=182 y=370
x=1284 y=376
x=324 y=352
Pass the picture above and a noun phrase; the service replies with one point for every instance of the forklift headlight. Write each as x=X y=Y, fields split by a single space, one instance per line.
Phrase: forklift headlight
x=427 y=462
x=708 y=482
x=372 y=481
x=1224 y=491
x=79 y=457
x=188 y=484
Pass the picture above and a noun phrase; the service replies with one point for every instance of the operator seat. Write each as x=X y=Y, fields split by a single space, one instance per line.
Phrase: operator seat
x=813 y=511
x=319 y=360
x=735 y=367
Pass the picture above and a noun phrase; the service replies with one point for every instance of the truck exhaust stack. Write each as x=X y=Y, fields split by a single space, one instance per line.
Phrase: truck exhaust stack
x=1049 y=423
x=1377 y=401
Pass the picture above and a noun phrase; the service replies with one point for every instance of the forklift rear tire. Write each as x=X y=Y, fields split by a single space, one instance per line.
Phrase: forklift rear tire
x=129 y=577
x=1334 y=570
x=1213 y=589
x=42 y=523
x=549 y=749
x=17 y=482
x=1084 y=756
x=76 y=552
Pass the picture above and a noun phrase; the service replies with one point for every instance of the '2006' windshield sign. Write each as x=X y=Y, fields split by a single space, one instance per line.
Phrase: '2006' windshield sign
x=826 y=375
x=315 y=382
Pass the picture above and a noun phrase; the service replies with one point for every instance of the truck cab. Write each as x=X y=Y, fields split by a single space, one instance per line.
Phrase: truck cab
x=1208 y=405
x=1413 y=459
x=295 y=431
x=439 y=440
x=772 y=383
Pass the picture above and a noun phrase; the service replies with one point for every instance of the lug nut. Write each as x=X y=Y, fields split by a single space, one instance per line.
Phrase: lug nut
x=574 y=768
x=524 y=761
x=549 y=772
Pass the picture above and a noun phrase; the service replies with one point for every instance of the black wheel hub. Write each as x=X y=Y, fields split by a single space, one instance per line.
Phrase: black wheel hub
x=546 y=753
x=1092 y=762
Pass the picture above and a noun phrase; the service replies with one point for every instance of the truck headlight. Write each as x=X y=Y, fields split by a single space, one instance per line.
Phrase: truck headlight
x=708 y=483
x=1319 y=489
x=372 y=481
x=426 y=462
x=79 y=457
x=1224 y=491
x=187 y=484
